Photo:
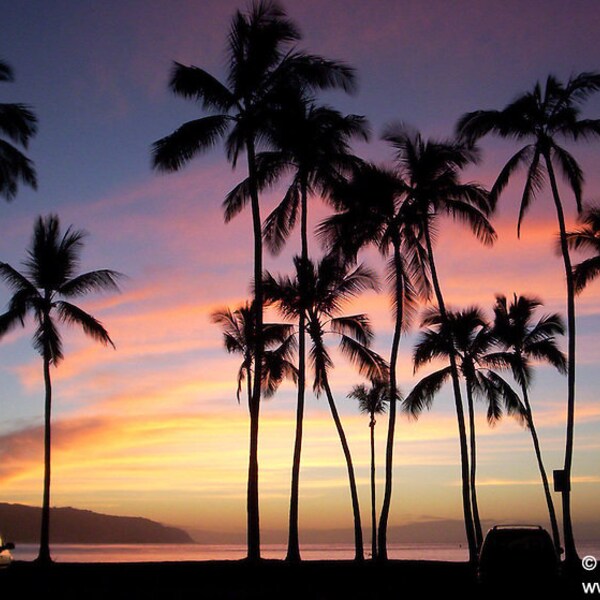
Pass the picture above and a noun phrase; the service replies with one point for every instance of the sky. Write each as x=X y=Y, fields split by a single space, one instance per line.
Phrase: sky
x=153 y=428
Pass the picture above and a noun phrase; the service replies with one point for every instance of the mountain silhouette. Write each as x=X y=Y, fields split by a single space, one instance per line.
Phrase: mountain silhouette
x=21 y=524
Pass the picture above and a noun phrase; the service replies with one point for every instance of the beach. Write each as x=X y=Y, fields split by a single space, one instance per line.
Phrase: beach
x=268 y=579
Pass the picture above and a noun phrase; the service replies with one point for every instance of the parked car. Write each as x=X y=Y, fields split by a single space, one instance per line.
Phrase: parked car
x=518 y=554
x=5 y=554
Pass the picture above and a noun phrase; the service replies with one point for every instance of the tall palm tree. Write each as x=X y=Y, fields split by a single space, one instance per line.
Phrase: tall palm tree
x=325 y=287
x=279 y=346
x=49 y=282
x=541 y=118
x=18 y=124
x=521 y=341
x=372 y=401
x=430 y=171
x=372 y=210
x=313 y=143
x=466 y=334
x=264 y=73
x=587 y=239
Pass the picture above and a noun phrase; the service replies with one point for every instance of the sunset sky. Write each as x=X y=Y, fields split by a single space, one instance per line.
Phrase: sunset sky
x=154 y=428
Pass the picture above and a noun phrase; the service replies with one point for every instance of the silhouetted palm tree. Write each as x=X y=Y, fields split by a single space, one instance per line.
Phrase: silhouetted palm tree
x=587 y=239
x=542 y=117
x=264 y=73
x=467 y=334
x=522 y=341
x=430 y=171
x=239 y=338
x=19 y=124
x=372 y=210
x=313 y=143
x=372 y=401
x=325 y=287
x=50 y=275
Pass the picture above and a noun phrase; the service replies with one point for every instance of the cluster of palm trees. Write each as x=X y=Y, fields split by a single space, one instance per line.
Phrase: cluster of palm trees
x=268 y=108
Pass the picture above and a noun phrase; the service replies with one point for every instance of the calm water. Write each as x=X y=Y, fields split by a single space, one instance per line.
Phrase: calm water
x=191 y=552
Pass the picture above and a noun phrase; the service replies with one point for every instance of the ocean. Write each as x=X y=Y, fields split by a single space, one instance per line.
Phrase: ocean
x=196 y=552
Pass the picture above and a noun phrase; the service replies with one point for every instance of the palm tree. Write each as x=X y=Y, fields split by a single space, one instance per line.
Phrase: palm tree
x=541 y=118
x=466 y=334
x=264 y=73
x=586 y=238
x=372 y=401
x=325 y=286
x=19 y=124
x=430 y=171
x=522 y=341
x=50 y=275
x=239 y=338
x=371 y=210
x=313 y=143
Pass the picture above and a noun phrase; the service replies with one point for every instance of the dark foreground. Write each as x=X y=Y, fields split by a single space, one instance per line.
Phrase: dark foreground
x=318 y=580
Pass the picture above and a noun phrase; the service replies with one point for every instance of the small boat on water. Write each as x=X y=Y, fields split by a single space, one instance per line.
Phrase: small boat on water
x=5 y=552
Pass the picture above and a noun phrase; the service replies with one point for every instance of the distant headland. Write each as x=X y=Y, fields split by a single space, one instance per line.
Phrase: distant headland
x=21 y=524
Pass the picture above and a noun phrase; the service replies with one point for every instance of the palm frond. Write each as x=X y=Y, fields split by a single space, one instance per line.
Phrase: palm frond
x=358 y=326
x=371 y=401
x=571 y=172
x=369 y=363
x=321 y=363
x=14 y=316
x=474 y=218
x=174 y=151
x=585 y=272
x=430 y=345
x=423 y=394
x=534 y=183
x=18 y=123
x=317 y=73
x=16 y=281
x=403 y=293
x=517 y=160
x=93 y=281
x=236 y=200
x=15 y=167
x=547 y=351
x=584 y=239
x=477 y=124
x=511 y=401
x=48 y=342
x=582 y=86
x=193 y=82
x=73 y=315
x=282 y=220
x=6 y=71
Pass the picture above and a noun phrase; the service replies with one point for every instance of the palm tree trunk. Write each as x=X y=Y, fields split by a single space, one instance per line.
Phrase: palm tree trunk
x=571 y=555
x=253 y=523
x=462 y=434
x=389 y=452
x=249 y=384
x=476 y=520
x=44 y=553
x=373 y=498
x=358 y=540
x=293 y=551
x=538 y=455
